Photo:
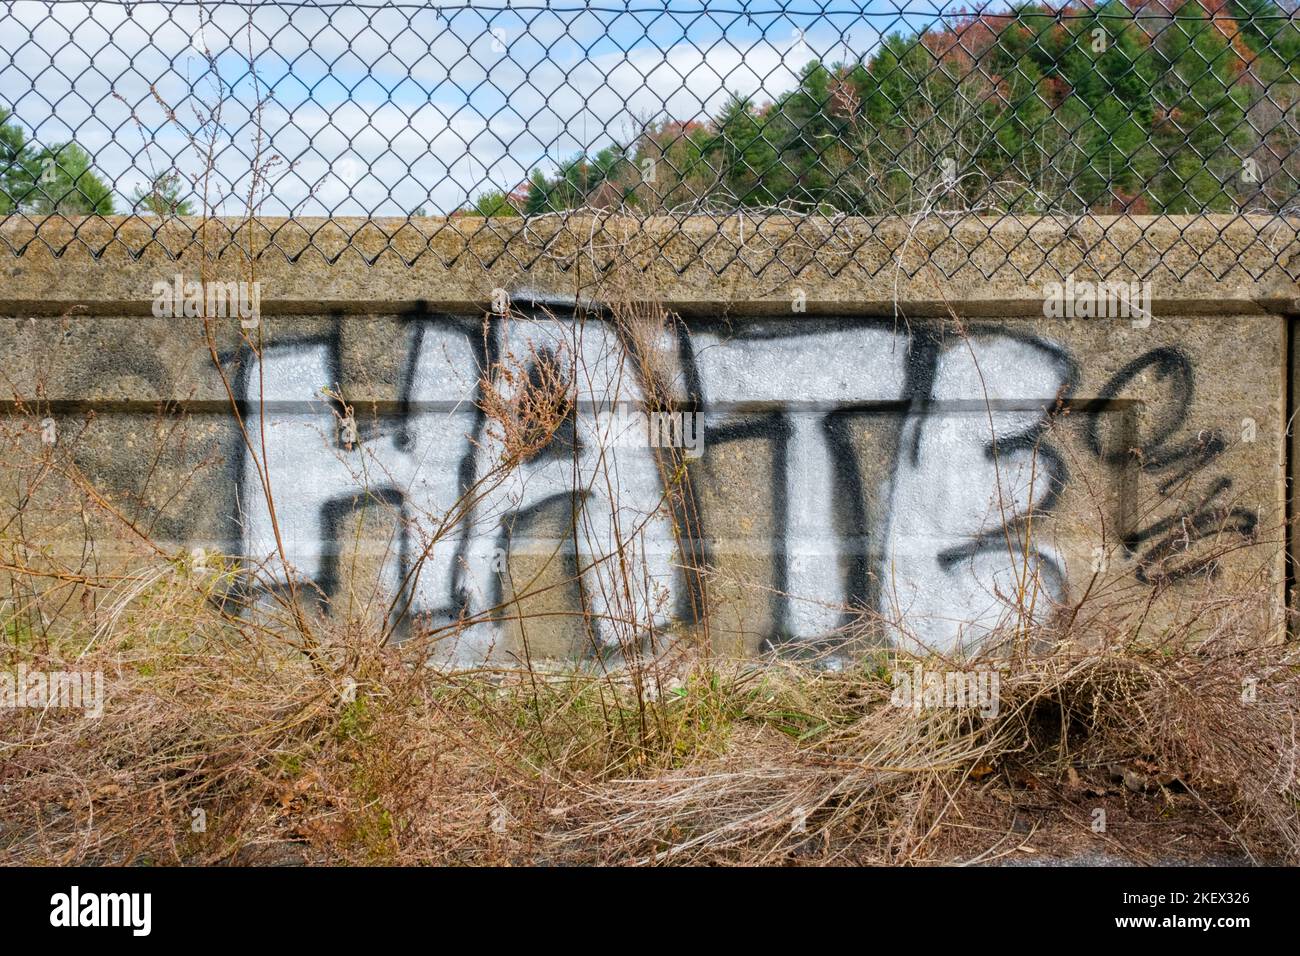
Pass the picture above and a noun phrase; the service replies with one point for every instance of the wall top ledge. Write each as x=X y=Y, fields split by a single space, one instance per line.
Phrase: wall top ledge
x=778 y=265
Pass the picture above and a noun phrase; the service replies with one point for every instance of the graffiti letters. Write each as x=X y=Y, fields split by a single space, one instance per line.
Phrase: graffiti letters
x=1175 y=454
x=906 y=471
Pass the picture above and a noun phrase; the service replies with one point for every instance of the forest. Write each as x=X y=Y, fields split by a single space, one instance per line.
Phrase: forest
x=1119 y=108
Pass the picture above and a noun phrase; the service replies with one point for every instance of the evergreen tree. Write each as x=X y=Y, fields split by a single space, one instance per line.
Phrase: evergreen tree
x=1272 y=36
x=165 y=197
x=742 y=155
x=42 y=181
x=17 y=164
x=1203 y=133
x=492 y=202
x=66 y=185
x=1088 y=108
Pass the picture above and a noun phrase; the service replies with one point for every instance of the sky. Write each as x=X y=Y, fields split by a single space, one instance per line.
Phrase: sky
x=387 y=108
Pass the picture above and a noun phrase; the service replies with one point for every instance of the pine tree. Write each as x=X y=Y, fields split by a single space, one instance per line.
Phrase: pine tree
x=742 y=155
x=59 y=180
x=1203 y=133
x=17 y=164
x=165 y=197
x=1273 y=35
x=1080 y=107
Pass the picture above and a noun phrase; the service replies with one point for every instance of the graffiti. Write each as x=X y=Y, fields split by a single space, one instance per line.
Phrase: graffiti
x=1175 y=463
x=438 y=454
x=415 y=466
x=905 y=470
x=933 y=536
x=974 y=473
x=967 y=468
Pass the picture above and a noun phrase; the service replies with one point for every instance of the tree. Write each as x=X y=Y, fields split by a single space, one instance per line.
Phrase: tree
x=17 y=164
x=1099 y=70
x=53 y=179
x=669 y=168
x=1039 y=107
x=741 y=155
x=493 y=202
x=66 y=185
x=577 y=180
x=804 y=131
x=1204 y=128
x=1271 y=34
x=164 y=197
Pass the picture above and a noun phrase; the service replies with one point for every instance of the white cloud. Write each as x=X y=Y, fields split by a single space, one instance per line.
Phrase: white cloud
x=423 y=106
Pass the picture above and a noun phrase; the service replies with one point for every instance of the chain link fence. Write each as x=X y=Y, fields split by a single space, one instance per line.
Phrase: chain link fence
x=776 y=134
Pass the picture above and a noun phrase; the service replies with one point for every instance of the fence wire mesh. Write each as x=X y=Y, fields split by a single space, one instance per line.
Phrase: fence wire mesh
x=775 y=134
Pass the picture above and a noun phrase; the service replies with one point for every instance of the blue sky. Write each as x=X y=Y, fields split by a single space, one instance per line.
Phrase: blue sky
x=385 y=109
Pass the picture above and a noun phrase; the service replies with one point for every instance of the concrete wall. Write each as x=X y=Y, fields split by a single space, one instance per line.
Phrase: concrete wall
x=845 y=419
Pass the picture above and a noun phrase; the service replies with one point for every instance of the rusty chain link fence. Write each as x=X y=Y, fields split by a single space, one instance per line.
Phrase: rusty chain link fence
x=775 y=134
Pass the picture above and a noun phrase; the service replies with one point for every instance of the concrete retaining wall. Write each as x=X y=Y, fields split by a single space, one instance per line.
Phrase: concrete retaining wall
x=834 y=476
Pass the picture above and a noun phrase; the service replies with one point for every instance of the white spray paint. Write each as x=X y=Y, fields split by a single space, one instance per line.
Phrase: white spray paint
x=805 y=375
x=308 y=471
x=624 y=532
x=941 y=549
x=958 y=495
x=628 y=589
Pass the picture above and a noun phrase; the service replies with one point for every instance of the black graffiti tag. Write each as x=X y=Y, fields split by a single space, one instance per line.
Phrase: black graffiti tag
x=1175 y=462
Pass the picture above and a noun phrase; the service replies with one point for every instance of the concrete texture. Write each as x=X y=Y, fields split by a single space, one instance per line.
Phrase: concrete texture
x=988 y=266
x=849 y=490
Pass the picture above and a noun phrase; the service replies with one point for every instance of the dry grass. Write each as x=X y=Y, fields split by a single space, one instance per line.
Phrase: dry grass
x=527 y=400
x=723 y=762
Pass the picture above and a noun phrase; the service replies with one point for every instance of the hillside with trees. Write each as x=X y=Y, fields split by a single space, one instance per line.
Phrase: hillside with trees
x=1149 y=107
